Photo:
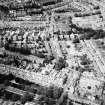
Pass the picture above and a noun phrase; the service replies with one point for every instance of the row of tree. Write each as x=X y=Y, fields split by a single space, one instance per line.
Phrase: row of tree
x=88 y=33
x=87 y=14
x=20 y=50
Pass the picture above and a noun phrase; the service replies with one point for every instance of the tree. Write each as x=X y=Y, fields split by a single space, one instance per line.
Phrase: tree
x=26 y=97
x=49 y=92
x=65 y=80
x=19 y=80
x=76 y=40
x=60 y=64
x=96 y=7
x=54 y=92
x=40 y=55
x=11 y=76
x=85 y=60
x=6 y=82
x=15 y=97
x=57 y=92
x=48 y=59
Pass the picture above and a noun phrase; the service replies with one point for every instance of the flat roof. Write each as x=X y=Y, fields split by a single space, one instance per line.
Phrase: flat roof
x=15 y=90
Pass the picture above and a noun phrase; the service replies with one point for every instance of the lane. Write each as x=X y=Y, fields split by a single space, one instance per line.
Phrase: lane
x=96 y=60
x=97 y=52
